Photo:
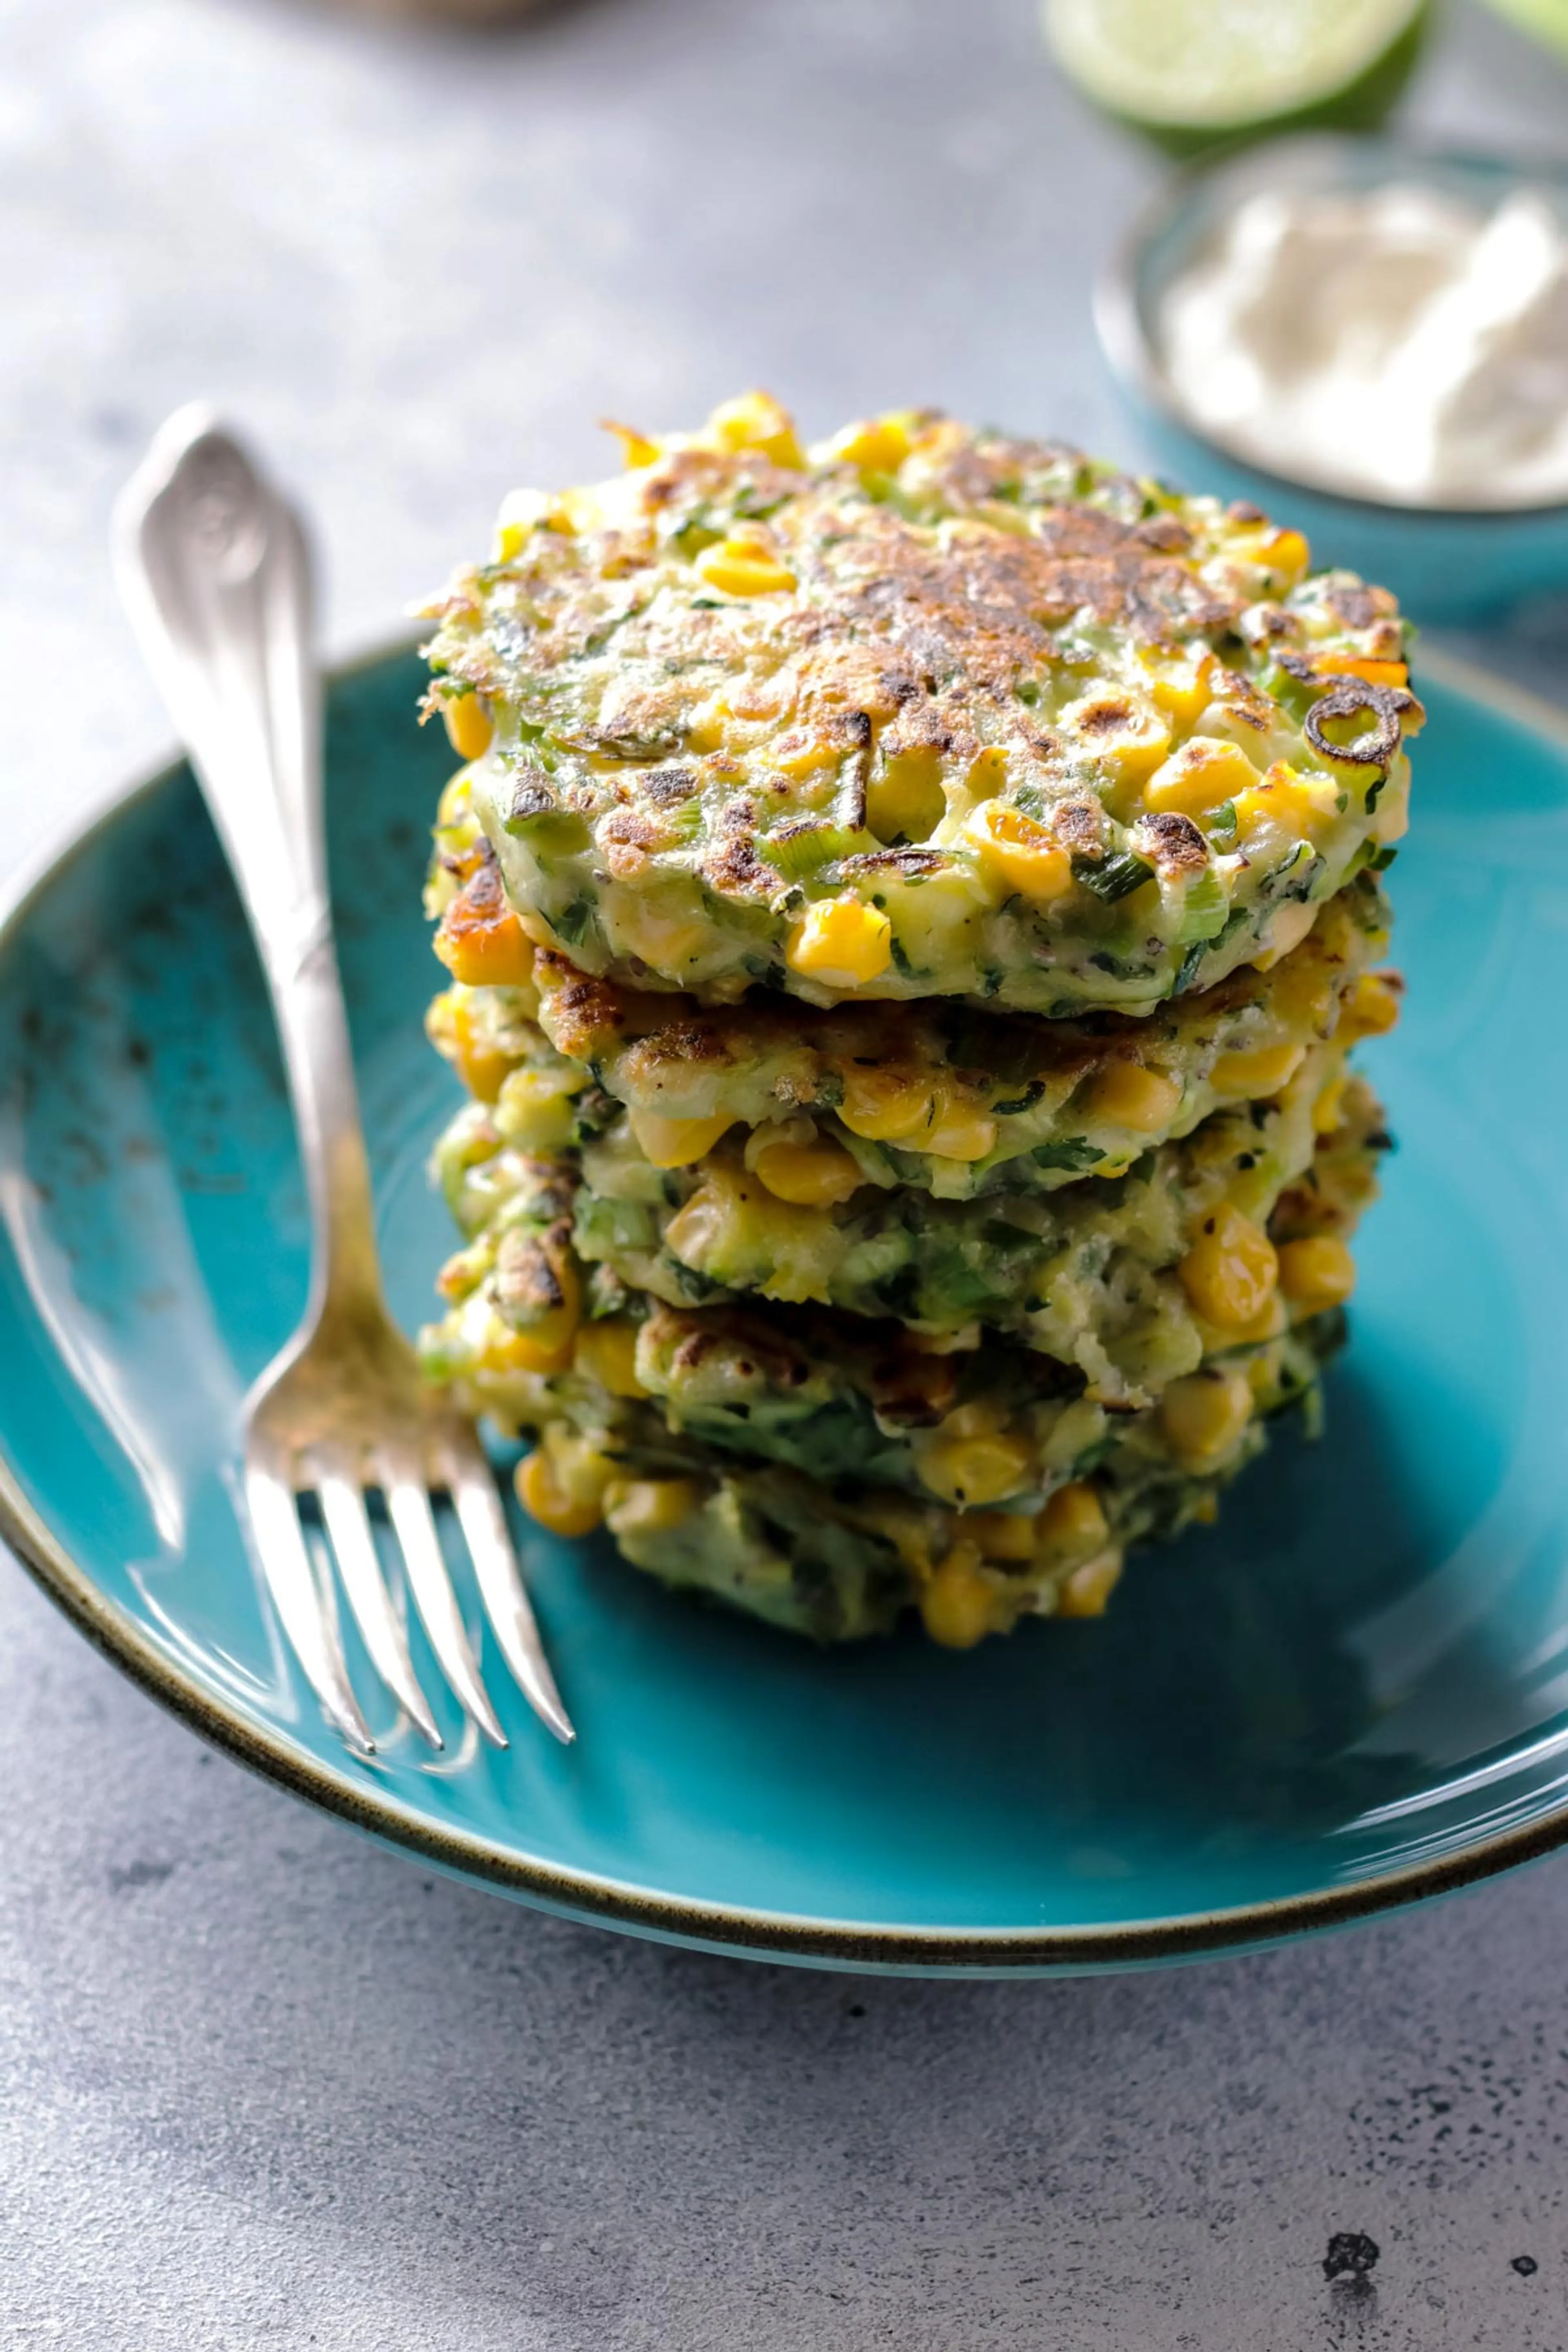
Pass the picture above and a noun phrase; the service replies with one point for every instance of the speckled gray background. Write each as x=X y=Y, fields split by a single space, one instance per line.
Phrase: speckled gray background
x=261 y=2084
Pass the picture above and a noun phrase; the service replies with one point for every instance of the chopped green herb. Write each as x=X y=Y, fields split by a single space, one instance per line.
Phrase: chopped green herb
x=1206 y=912
x=1075 y=1151
x=807 y=849
x=1110 y=878
x=1025 y=1101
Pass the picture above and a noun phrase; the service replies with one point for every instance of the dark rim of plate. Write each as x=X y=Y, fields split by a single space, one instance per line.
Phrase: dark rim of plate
x=717 y=1926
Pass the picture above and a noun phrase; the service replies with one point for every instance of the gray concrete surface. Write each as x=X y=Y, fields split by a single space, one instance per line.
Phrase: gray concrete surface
x=261 y=2084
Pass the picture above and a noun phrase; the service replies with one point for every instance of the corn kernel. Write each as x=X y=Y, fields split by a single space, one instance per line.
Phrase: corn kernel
x=1269 y=1322
x=1088 y=1587
x=545 y=1500
x=1019 y=852
x=987 y=773
x=1207 y=770
x=1306 y=805
x=981 y=1418
x=469 y=724
x=606 y=1351
x=756 y=421
x=572 y=511
x=959 y=1130
x=906 y=797
x=649 y=1507
x=483 y=1068
x=1123 y=736
x=1328 y=1107
x=637 y=449
x=1073 y=1519
x=812 y=1175
x=1257 y=808
x=1305 y=998
x=1362 y=665
x=1246 y=1076
x=1231 y=1271
x=457 y=799
x=958 y=1605
x=883 y=1106
x=878 y=446
x=974 y=1471
x=841 y=943
x=1181 y=686
x=1316 y=1271
x=737 y=568
x=545 y=1346
x=1002 y=1535
x=522 y=513
x=1203 y=1417
x=1371 y=1008
x=1127 y=1095
x=481 y=942
x=677 y=1143
x=1286 y=551
x=580 y=1468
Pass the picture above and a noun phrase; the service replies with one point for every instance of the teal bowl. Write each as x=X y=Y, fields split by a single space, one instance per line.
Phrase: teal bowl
x=1444 y=563
x=1352 y=1692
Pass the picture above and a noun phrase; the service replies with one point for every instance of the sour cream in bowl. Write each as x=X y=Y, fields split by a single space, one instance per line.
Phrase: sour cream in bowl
x=1371 y=343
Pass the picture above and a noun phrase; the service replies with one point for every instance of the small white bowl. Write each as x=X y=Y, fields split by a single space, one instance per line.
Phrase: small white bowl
x=1443 y=562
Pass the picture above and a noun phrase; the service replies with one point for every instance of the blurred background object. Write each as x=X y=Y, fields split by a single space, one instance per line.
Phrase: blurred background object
x=1544 y=20
x=1386 y=336
x=419 y=262
x=1195 y=73
x=457 y=11
x=1372 y=339
x=1369 y=335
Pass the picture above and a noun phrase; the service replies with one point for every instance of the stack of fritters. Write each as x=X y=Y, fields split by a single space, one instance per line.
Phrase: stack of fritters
x=909 y=904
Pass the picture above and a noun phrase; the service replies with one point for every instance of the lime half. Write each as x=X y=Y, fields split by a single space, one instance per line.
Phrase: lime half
x=1543 y=20
x=1202 y=70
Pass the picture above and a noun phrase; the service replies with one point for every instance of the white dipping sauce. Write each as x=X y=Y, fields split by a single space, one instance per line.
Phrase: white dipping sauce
x=1394 y=343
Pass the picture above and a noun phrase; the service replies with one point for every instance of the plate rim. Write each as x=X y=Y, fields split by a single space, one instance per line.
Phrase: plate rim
x=596 y=1898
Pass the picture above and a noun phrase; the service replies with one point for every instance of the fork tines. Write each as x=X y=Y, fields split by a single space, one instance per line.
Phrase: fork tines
x=340 y=1484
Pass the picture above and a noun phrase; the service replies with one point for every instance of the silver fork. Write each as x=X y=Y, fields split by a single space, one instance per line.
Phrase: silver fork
x=215 y=572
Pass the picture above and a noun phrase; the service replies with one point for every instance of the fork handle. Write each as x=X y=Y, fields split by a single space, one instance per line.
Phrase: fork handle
x=215 y=572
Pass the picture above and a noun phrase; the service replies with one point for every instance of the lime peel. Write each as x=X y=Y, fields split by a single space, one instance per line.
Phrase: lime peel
x=1222 y=66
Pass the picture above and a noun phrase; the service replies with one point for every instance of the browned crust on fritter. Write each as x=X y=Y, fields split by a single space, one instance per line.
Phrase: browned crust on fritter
x=907 y=1387
x=589 y=1018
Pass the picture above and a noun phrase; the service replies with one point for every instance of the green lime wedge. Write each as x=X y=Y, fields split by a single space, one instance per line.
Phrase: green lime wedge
x=1543 y=20
x=1192 y=72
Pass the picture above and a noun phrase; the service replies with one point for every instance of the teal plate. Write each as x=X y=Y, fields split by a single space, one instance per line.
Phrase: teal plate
x=1352 y=1692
